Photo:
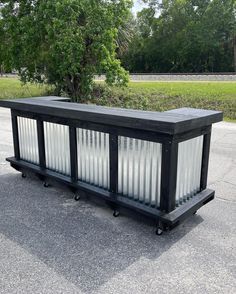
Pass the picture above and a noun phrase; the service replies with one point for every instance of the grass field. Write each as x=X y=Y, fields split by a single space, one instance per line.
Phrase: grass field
x=159 y=96
x=13 y=88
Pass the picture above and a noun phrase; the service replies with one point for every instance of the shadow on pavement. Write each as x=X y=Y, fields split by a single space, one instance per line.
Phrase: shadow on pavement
x=80 y=240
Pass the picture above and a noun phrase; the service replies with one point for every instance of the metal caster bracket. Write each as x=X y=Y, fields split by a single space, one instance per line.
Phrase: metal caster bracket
x=159 y=231
x=116 y=213
x=77 y=197
x=161 y=227
x=46 y=184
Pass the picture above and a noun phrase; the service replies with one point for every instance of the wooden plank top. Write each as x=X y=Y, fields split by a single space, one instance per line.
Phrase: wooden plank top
x=169 y=122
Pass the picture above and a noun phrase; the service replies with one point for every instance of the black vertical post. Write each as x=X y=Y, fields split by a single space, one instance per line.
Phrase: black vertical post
x=205 y=160
x=41 y=144
x=73 y=154
x=15 y=135
x=113 y=151
x=169 y=175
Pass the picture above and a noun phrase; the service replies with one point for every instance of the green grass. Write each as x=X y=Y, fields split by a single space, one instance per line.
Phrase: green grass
x=161 y=96
x=13 y=88
x=157 y=96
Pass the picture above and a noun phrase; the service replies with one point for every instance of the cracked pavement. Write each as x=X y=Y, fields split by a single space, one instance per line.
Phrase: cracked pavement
x=51 y=244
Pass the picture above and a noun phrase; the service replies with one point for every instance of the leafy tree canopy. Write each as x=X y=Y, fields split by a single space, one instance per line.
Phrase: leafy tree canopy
x=65 y=43
x=184 y=36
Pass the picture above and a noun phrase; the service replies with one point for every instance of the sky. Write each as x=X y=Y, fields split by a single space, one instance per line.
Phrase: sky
x=138 y=6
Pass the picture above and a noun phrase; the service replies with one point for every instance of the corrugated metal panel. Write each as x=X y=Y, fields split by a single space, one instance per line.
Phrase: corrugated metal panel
x=139 y=170
x=93 y=157
x=57 y=147
x=28 y=139
x=189 y=169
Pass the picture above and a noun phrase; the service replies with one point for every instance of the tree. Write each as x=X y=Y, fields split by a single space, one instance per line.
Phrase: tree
x=3 y=64
x=125 y=35
x=184 y=36
x=65 y=43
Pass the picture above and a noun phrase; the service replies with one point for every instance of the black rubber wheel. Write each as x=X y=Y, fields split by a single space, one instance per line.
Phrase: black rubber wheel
x=46 y=185
x=195 y=212
x=77 y=197
x=23 y=175
x=116 y=213
x=159 y=231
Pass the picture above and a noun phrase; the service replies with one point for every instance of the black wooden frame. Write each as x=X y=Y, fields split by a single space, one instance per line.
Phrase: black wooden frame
x=168 y=171
x=167 y=212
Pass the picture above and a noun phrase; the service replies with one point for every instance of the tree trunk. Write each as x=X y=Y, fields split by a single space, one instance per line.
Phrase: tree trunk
x=234 y=53
x=78 y=86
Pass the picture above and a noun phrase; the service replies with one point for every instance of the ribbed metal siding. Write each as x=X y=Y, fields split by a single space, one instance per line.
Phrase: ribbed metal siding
x=57 y=147
x=93 y=157
x=28 y=139
x=139 y=170
x=189 y=169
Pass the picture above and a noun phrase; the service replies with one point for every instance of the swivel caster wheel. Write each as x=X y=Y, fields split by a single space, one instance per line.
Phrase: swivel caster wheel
x=23 y=175
x=160 y=228
x=116 y=213
x=159 y=231
x=77 y=197
x=46 y=184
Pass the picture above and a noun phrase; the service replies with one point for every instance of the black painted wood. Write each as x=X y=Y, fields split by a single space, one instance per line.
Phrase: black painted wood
x=121 y=131
x=205 y=160
x=192 y=134
x=113 y=155
x=15 y=134
x=73 y=154
x=168 y=128
x=41 y=144
x=171 y=218
x=172 y=122
x=169 y=175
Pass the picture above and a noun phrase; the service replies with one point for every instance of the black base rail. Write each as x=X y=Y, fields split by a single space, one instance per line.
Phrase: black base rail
x=153 y=163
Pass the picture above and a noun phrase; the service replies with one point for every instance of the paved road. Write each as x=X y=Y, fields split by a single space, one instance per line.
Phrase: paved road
x=51 y=244
x=170 y=77
x=178 y=77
